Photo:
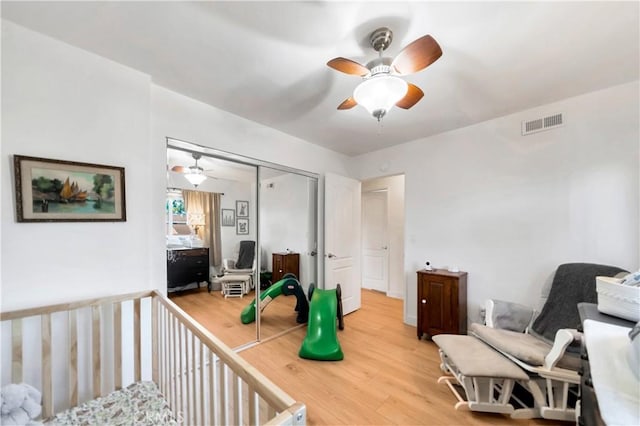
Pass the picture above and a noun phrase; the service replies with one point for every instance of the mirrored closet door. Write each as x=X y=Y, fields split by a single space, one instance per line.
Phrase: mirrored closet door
x=254 y=222
x=212 y=231
x=288 y=247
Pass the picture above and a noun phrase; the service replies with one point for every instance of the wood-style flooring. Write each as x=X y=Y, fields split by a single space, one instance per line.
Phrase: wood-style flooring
x=388 y=376
x=222 y=316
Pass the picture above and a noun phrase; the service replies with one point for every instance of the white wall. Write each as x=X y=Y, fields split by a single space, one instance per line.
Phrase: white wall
x=63 y=103
x=177 y=116
x=183 y=118
x=395 y=229
x=508 y=209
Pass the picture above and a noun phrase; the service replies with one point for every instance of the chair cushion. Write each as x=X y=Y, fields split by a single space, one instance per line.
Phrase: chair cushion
x=232 y=278
x=508 y=315
x=239 y=271
x=525 y=347
x=473 y=358
x=520 y=345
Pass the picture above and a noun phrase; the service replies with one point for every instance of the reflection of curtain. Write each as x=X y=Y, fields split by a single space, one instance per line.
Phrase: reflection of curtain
x=198 y=203
x=215 y=249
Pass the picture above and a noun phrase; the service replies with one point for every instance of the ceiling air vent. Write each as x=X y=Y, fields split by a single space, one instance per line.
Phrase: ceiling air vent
x=540 y=124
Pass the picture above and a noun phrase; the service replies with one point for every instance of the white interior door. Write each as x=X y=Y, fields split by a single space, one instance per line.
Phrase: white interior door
x=375 y=241
x=342 y=238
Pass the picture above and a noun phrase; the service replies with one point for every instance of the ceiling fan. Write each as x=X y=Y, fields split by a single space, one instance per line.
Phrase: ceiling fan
x=194 y=174
x=382 y=87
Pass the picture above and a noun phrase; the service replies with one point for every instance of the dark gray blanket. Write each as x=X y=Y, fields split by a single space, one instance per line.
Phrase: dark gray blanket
x=246 y=254
x=572 y=283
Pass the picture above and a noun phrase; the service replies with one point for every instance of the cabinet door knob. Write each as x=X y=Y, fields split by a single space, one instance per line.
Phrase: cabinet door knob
x=424 y=301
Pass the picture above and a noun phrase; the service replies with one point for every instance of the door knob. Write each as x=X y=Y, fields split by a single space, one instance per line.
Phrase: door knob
x=330 y=255
x=384 y=247
x=313 y=253
x=424 y=301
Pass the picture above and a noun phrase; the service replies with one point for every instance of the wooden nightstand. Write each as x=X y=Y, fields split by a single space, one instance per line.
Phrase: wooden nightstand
x=442 y=302
x=284 y=263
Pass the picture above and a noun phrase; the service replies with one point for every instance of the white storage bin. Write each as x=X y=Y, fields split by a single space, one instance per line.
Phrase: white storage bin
x=619 y=300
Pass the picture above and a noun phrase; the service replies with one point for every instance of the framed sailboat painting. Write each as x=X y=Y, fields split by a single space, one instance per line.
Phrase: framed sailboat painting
x=66 y=191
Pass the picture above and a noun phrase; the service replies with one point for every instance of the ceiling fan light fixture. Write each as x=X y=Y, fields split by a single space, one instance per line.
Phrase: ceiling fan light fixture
x=195 y=173
x=380 y=93
x=382 y=88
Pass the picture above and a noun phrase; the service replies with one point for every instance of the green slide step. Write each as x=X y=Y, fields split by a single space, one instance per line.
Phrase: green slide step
x=321 y=342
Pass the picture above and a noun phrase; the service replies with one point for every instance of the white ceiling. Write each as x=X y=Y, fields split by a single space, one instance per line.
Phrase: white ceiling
x=265 y=61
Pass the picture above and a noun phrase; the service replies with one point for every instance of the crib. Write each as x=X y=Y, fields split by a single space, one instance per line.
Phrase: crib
x=86 y=356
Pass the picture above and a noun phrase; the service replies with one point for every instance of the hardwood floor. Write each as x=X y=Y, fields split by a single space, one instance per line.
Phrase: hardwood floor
x=388 y=376
x=222 y=316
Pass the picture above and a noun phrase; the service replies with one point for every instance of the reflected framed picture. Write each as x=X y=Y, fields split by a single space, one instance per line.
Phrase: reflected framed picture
x=228 y=217
x=242 y=226
x=242 y=208
x=66 y=191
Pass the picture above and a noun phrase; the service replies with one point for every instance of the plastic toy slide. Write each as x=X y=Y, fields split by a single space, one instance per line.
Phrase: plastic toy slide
x=321 y=342
x=288 y=285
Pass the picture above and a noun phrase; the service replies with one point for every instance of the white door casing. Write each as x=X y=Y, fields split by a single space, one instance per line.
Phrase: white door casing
x=375 y=241
x=342 y=238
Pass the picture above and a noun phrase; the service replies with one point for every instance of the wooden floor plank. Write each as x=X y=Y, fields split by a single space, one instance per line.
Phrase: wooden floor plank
x=388 y=376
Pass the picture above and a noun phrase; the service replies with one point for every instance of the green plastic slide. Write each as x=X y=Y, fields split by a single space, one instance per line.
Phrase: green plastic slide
x=321 y=342
x=288 y=286
x=248 y=314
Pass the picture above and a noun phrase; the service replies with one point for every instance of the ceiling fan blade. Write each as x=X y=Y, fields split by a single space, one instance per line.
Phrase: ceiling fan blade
x=348 y=66
x=348 y=103
x=418 y=55
x=414 y=94
x=178 y=169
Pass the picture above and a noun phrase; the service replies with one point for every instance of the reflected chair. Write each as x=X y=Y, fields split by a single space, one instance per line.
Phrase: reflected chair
x=244 y=265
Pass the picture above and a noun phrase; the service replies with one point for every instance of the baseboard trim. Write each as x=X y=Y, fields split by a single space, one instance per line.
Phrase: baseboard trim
x=411 y=320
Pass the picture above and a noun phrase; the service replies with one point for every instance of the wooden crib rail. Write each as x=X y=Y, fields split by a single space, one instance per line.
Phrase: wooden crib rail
x=67 y=315
x=202 y=379
x=50 y=309
x=206 y=362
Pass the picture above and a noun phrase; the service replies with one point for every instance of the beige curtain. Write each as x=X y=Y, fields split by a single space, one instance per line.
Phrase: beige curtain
x=206 y=205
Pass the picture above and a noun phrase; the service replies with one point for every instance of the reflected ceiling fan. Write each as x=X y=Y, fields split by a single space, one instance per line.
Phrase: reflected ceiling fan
x=194 y=174
x=382 y=87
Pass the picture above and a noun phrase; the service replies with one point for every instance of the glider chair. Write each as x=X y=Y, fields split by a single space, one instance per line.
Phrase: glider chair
x=520 y=362
x=241 y=270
